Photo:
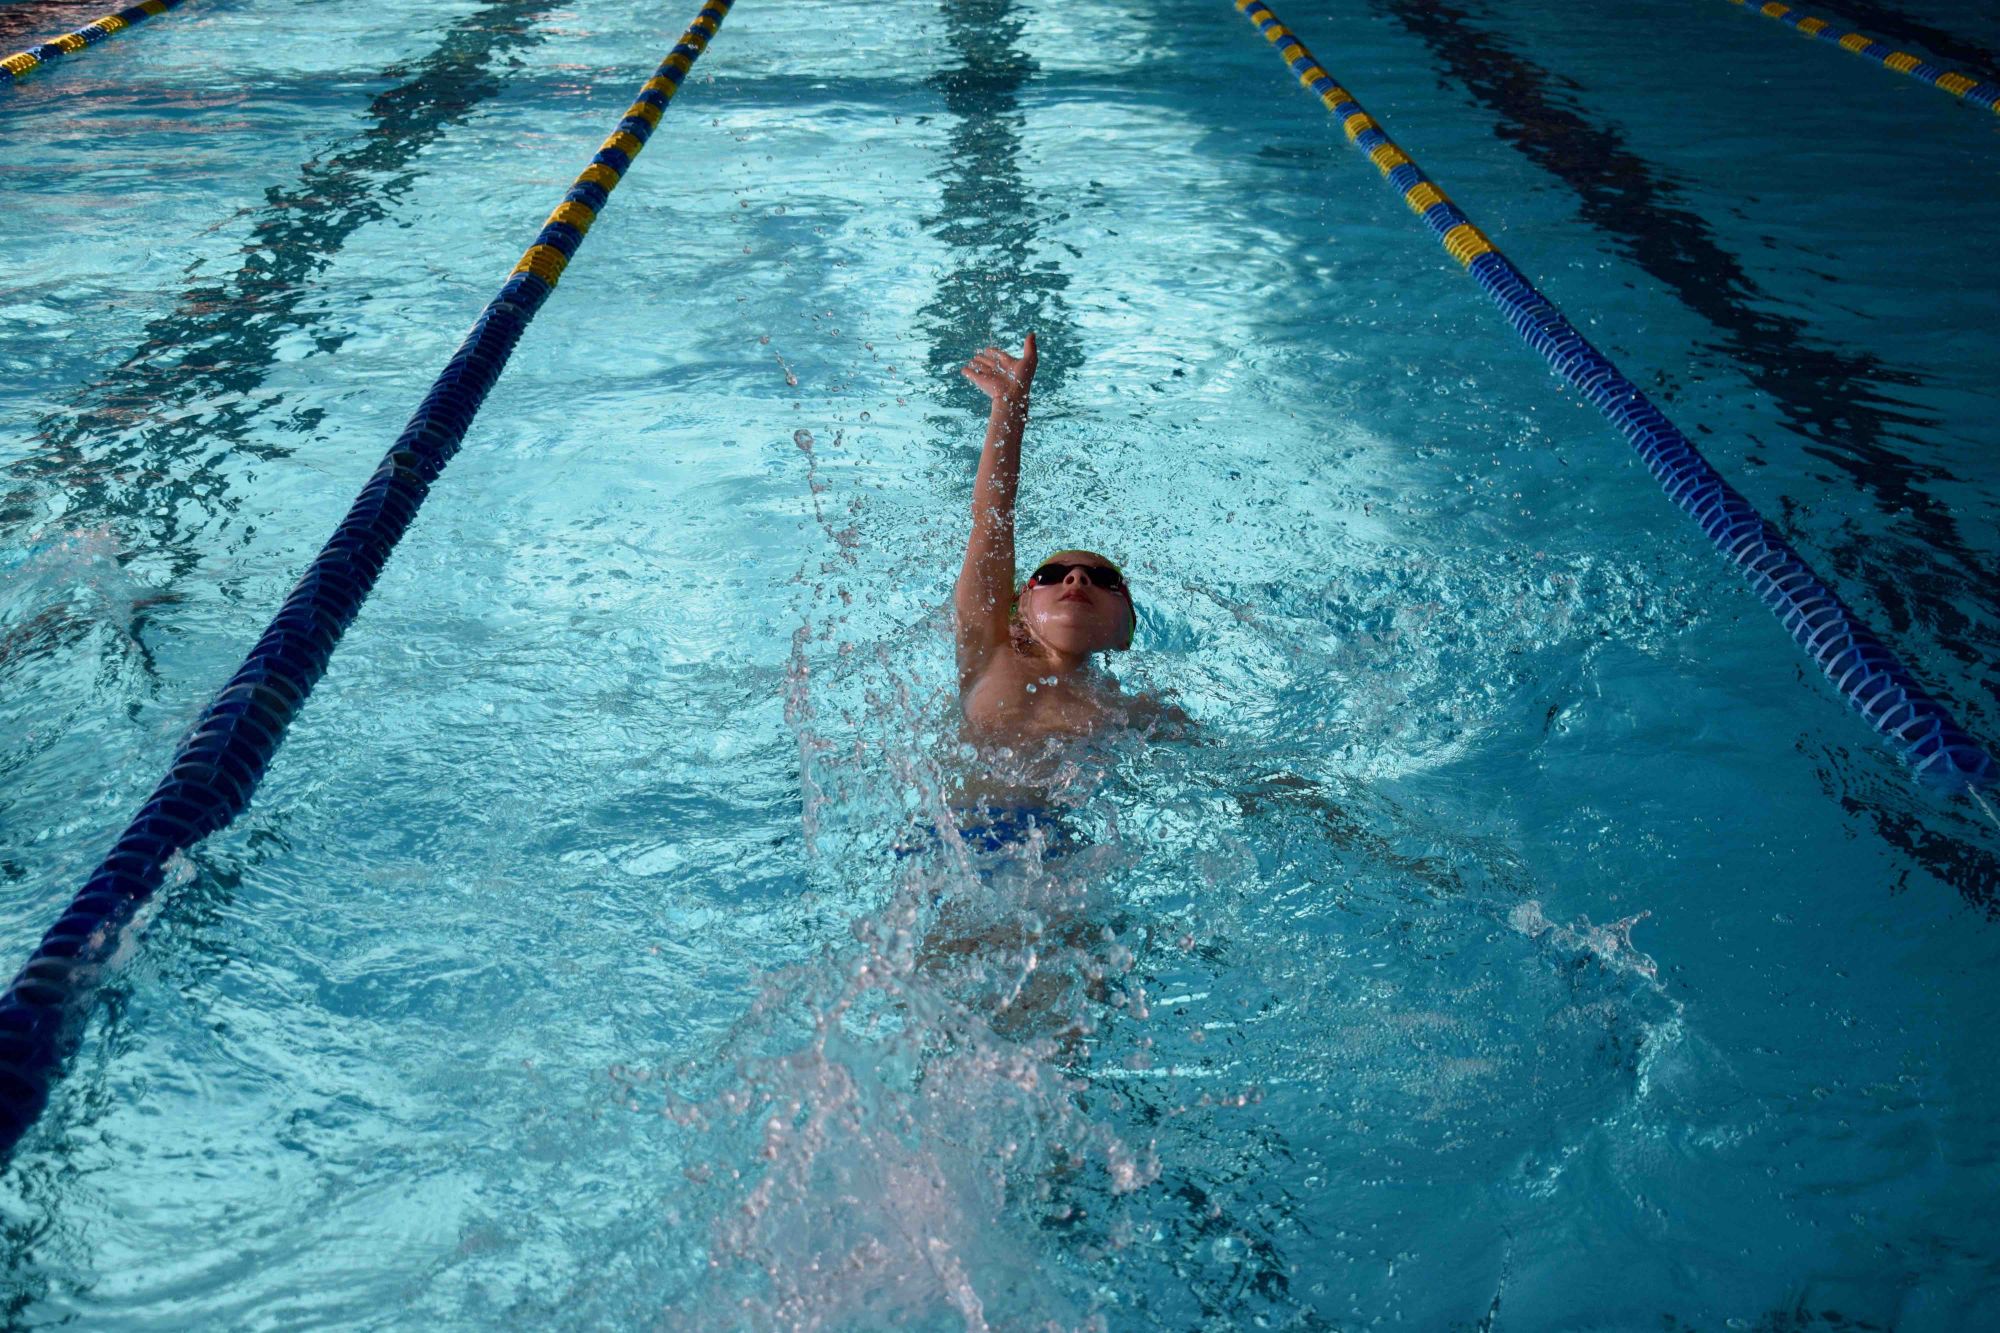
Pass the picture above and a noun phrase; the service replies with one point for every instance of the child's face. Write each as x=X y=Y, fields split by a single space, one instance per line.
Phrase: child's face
x=1076 y=613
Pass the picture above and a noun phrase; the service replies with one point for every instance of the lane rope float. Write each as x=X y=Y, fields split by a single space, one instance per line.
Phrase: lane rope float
x=1860 y=666
x=1961 y=86
x=18 y=65
x=226 y=751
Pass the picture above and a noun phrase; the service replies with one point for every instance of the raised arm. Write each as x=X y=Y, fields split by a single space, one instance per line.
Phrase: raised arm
x=986 y=582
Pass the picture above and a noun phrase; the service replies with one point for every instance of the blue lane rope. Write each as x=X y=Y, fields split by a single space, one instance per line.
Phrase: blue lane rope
x=1962 y=86
x=1860 y=666
x=18 y=65
x=225 y=753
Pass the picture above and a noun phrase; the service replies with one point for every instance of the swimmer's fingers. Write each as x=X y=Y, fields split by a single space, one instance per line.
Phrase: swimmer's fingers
x=990 y=382
x=1003 y=365
x=1001 y=377
x=984 y=370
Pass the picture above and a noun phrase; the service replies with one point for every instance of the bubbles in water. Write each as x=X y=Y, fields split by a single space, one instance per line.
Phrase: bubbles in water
x=866 y=417
x=180 y=870
x=802 y=438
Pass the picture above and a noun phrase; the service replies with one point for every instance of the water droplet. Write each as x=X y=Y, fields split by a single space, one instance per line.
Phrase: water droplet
x=802 y=438
x=866 y=417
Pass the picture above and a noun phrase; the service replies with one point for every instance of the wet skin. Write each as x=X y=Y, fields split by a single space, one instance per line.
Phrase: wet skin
x=1026 y=657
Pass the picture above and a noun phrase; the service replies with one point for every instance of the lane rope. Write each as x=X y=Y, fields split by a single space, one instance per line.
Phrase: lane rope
x=1961 y=86
x=226 y=751
x=1859 y=665
x=18 y=65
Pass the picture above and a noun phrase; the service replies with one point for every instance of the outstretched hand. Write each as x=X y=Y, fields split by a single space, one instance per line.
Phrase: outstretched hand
x=1001 y=377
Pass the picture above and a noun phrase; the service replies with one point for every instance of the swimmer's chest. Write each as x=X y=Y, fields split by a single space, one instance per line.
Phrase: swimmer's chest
x=1012 y=697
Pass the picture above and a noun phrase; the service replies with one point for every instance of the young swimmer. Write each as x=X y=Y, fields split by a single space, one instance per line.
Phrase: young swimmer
x=1031 y=693
x=1026 y=672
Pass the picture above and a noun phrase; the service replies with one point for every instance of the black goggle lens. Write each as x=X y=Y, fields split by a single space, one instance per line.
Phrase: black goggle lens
x=1102 y=576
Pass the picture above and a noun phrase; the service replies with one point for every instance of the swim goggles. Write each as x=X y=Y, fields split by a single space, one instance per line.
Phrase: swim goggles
x=1106 y=577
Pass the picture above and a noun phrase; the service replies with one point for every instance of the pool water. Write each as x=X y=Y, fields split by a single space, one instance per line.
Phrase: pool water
x=1530 y=939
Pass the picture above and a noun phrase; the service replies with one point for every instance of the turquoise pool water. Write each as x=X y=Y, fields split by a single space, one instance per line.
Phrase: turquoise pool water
x=1532 y=942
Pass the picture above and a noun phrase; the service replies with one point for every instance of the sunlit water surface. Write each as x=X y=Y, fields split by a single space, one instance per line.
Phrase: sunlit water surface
x=1530 y=940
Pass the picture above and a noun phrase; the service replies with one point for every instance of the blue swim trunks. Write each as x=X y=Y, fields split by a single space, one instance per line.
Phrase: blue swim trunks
x=1001 y=829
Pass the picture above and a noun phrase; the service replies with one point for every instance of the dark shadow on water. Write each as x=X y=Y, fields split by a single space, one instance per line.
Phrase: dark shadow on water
x=129 y=451
x=994 y=287
x=120 y=456
x=1894 y=26
x=29 y=25
x=1947 y=838
x=1829 y=395
x=1917 y=572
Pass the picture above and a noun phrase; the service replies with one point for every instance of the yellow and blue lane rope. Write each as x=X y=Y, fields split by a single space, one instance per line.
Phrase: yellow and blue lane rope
x=1961 y=86
x=18 y=65
x=1860 y=666
x=226 y=751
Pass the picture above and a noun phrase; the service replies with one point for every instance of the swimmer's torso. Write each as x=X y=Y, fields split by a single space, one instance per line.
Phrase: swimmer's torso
x=1015 y=700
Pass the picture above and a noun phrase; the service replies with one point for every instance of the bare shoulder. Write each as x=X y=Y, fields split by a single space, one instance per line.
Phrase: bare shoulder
x=991 y=683
x=982 y=645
